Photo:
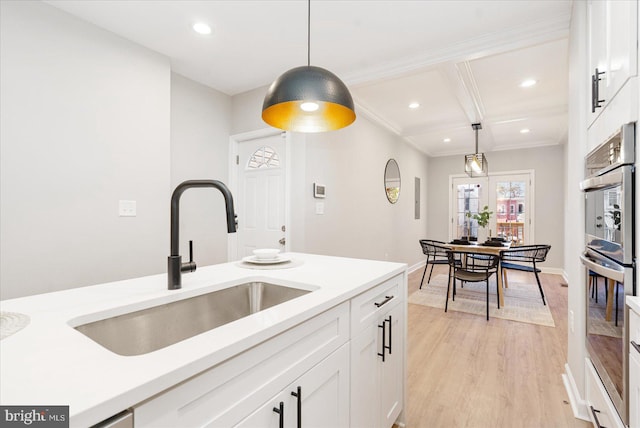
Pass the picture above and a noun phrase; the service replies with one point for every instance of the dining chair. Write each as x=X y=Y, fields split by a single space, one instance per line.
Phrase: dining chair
x=479 y=271
x=593 y=284
x=524 y=258
x=436 y=255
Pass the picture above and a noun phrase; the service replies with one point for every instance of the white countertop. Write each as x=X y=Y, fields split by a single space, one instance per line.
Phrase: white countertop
x=634 y=303
x=50 y=363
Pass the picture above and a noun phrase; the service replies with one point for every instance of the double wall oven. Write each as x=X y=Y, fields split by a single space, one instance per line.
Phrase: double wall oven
x=609 y=259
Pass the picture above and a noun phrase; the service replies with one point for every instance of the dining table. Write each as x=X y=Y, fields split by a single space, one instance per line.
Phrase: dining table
x=484 y=249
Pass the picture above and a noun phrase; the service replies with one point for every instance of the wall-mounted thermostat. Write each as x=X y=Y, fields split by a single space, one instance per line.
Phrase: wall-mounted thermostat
x=318 y=190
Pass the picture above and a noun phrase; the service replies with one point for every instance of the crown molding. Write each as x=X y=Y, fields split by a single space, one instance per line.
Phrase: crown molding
x=539 y=32
x=361 y=108
x=366 y=111
x=532 y=145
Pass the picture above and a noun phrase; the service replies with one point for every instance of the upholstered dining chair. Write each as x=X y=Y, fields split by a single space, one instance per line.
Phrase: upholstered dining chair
x=524 y=258
x=436 y=255
x=479 y=271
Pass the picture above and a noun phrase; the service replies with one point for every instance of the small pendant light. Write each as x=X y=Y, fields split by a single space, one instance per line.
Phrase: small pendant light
x=476 y=164
x=308 y=98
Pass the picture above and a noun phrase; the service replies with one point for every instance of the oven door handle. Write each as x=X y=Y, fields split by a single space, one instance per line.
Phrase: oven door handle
x=602 y=181
x=616 y=275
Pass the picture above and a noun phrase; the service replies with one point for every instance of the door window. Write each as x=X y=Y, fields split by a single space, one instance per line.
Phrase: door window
x=511 y=192
x=264 y=157
x=469 y=197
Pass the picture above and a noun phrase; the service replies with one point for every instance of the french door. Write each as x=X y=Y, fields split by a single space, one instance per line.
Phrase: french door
x=507 y=195
x=469 y=196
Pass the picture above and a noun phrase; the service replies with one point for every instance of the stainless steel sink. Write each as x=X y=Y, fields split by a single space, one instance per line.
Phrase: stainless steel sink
x=154 y=328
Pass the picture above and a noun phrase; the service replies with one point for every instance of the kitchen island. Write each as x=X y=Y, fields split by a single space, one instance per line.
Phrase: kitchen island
x=49 y=362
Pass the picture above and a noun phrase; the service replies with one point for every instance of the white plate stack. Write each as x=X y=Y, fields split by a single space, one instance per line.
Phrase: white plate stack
x=266 y=256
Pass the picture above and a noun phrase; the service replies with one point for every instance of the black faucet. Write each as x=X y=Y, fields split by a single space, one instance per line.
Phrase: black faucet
x=175 y=265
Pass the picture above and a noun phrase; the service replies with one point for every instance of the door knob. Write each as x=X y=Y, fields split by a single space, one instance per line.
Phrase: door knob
x=282 y=241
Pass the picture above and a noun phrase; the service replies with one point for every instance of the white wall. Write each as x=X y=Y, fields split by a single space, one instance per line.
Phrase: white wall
x=358 y=220
x=574 y=205
x=200 y=120
x=84 y=123
x=548 y=164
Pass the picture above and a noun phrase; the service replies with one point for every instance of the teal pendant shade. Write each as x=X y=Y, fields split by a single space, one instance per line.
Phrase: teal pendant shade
x=286 y=104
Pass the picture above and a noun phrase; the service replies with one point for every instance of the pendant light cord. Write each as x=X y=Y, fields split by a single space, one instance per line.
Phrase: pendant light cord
x=476 y=140
x=308 y=33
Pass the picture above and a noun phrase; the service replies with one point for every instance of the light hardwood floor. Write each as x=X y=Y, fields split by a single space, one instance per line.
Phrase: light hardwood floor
x=464 y=371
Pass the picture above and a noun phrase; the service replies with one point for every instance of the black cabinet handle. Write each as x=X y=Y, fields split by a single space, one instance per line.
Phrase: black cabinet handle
x=595 y=91
x=280 y=411
x=595 y=417
x=386 y=300
x=635 y=345
x=298 y=395
x=390 y=330
x=383 y=326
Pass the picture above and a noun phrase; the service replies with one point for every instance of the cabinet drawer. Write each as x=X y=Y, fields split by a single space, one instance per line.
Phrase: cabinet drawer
x=598 y=400
x=634 y=327
x=226 y=393
x=365 y=307
x=634 y=389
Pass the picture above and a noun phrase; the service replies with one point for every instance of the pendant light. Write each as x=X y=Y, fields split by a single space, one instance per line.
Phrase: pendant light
x=476 y=164
x=308 y=98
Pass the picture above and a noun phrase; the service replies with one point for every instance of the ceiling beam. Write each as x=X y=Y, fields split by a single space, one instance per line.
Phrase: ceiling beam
x=554 y=28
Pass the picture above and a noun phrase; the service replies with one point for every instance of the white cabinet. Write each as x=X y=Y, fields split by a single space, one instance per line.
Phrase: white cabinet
x=224 y=395
x=634 y=389
x=634 y=369
x=348 y=363
x=612 y=49
x=601 y=409
x=319 y=398
x=378 y=356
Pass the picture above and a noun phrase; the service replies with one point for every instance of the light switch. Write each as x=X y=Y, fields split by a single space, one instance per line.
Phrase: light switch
x=319 y=207
x=126 y=208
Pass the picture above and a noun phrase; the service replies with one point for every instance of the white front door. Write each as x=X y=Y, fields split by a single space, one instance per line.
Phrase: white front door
x=261 y=194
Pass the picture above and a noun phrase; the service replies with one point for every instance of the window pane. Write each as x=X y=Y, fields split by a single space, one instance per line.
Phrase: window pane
x=468 y=201
x=511 y=210
x=264 y=157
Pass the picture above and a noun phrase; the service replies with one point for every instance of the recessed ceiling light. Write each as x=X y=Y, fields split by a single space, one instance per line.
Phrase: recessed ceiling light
x=447 y=140
x=414 y=105
x=201 y=28
x=528 y=83
x=524 y=131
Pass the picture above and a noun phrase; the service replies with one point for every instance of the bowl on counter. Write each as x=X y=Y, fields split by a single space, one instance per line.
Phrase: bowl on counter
x=266 y=253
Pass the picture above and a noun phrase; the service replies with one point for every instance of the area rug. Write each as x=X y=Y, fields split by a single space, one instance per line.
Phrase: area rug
x=522 y=301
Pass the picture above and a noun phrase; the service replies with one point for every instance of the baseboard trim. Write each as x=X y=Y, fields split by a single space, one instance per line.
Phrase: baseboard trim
x=552 y=270
x=417 y=266
x=578 y=405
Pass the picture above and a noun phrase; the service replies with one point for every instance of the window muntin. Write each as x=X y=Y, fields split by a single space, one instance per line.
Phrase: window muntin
x=263 y=158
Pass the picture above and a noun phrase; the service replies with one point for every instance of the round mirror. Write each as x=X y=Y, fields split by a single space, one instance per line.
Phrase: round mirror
x=392 y=181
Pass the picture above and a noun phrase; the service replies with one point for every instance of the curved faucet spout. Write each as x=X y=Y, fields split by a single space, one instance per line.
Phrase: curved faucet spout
x=175 y=265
